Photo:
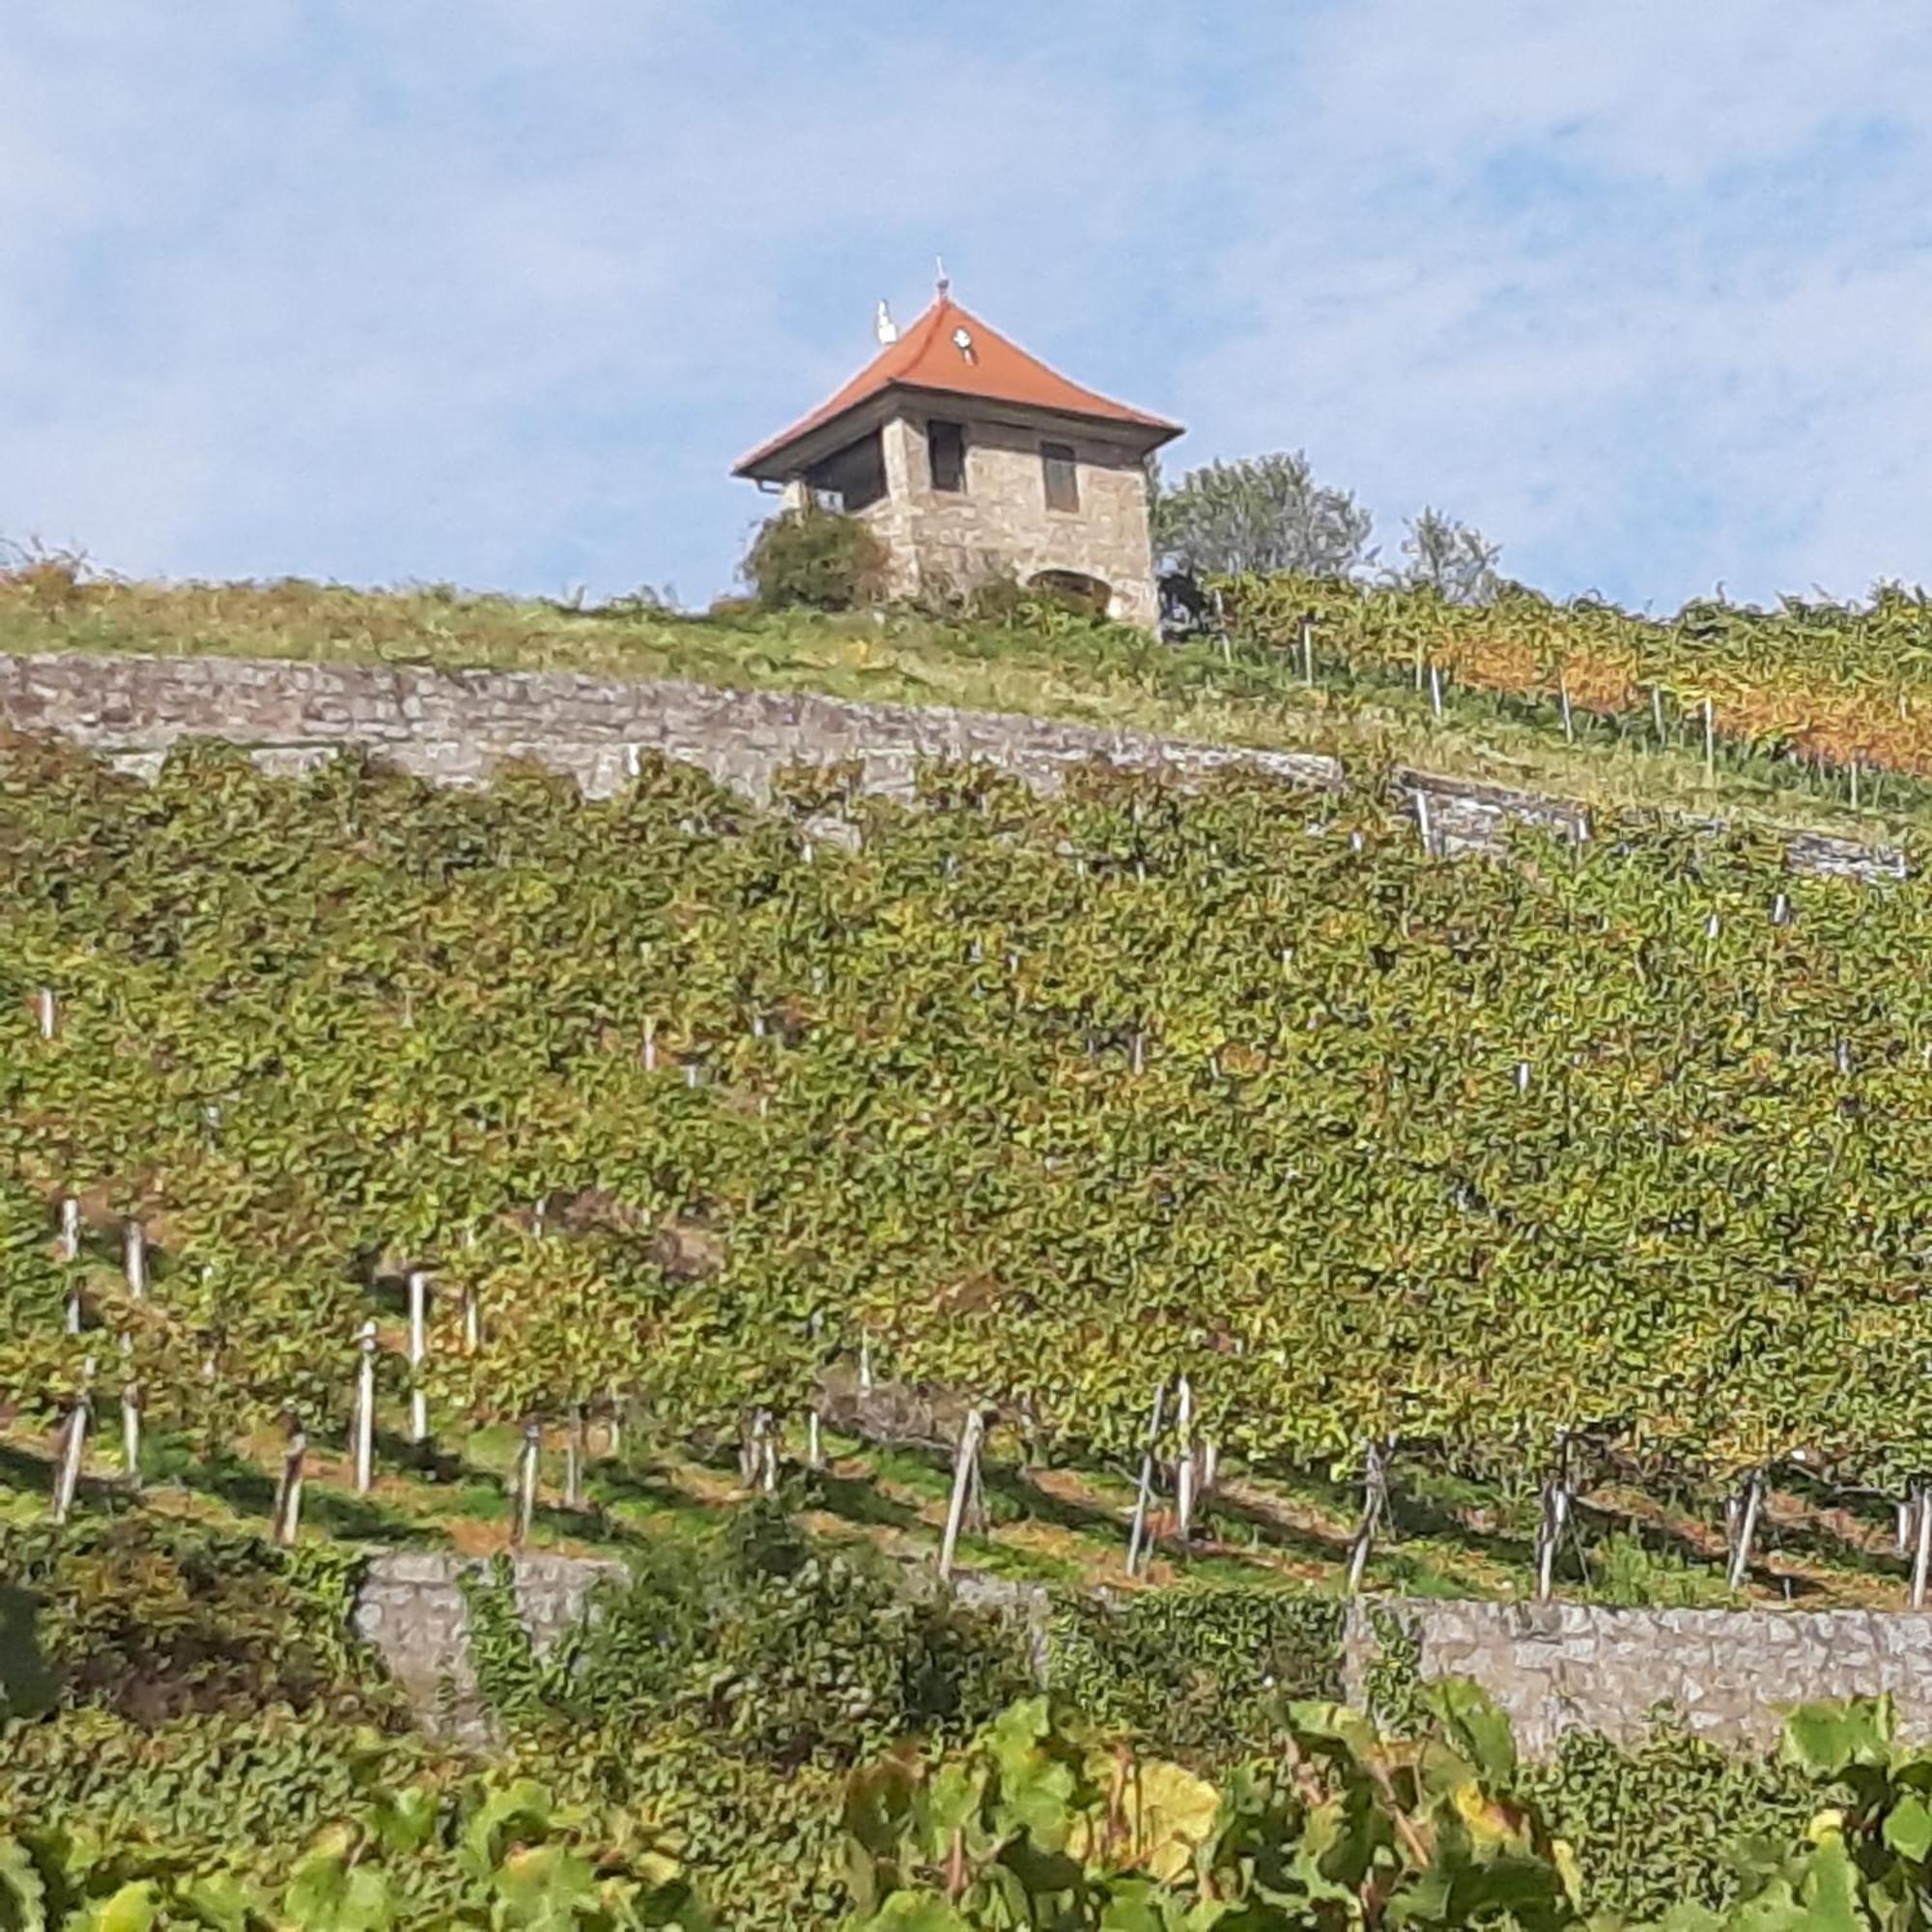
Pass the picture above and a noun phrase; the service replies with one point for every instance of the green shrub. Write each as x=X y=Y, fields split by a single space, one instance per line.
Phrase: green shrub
x=815 y=558
x=1628 y=1574
x=780 y=1648
x=1203 y=1669
x=1653 y=1824
x=155 y=1619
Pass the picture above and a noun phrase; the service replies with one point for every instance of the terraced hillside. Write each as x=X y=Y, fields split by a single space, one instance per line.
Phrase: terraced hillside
x=1584 y=1169
x=1580 y=700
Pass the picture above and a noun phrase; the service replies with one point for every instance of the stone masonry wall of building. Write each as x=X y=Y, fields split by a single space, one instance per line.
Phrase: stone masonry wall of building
x=947 y=541
x=455 y=727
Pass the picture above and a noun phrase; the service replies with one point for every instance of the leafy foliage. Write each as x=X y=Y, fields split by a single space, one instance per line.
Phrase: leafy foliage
x=1366 y=1144
x=154 y=1619
x=1660 y=1824
x=497 y=1853
x=1839 y=682
x=1041 y=1822
x=781 y=1649
x=1203 y=1668
x=1455 y=561
x=814 y=558
x=1262 y=514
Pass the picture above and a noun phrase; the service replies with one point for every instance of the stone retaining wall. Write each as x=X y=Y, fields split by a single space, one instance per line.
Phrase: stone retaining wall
x=455 y=727
x=1557 y=1667
x=1554 y=1667
x=410 y=1608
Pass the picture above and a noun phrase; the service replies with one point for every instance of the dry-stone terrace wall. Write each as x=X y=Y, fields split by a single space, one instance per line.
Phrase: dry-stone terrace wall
x=455 y=727
x=1557 y=1667
x=1554 y=1667
x=410 y=1608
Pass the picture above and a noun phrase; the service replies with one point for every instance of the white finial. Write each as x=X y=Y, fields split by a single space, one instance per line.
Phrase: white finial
x=944 y=282
x=883 y=325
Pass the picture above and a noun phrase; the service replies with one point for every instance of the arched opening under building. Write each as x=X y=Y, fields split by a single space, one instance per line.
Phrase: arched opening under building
x=1074 y=588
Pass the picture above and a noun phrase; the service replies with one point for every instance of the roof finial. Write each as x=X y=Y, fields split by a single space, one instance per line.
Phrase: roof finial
x=883 y=325
x=944 y=282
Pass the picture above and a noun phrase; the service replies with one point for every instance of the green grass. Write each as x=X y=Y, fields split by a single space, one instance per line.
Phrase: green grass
x=1101 y=674
x=1451 y=1535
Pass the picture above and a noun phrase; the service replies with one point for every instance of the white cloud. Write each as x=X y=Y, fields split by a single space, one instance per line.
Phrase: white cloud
x=1613 y=284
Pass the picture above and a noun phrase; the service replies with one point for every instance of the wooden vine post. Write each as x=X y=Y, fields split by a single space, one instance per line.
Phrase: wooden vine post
x=965 y=1466
x=1139 y=1543
x=131 y=1415
x=1552 y=1520
x=1436 y=691
x=1308 y=652
x=528 y=1457
x=69 y=1253
x=1920 y=1510
x=74 y=1445
x=289 y=1490
x=419 y=1290
x=1422 y=824
x=1743 y=1515
x=46 y=1009
x=134 y=1257
x=574 y=1447
x=768 y=1453
x=1183 y=1467
x=1375 y=1500
x=365 y=1410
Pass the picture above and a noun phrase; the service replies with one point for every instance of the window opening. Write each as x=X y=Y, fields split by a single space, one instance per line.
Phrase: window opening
x=1062 y=488
x=946 y=449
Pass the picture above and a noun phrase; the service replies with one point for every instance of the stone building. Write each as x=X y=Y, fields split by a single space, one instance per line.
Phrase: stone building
x=970 y=460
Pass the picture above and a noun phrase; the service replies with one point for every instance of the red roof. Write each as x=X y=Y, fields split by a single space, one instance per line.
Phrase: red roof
x=996 y=371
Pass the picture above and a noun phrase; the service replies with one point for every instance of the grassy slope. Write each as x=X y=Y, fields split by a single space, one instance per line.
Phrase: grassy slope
x=1100 y=675
x=1454 y=1536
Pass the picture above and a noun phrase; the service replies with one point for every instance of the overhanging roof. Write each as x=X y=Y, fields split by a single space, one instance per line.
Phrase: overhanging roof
x=927 y=358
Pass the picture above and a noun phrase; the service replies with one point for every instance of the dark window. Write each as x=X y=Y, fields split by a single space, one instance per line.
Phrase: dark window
x=1063 y=487
x=946 y=449
x=852 y=478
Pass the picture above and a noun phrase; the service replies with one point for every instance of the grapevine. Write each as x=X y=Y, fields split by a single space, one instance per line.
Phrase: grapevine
x=1044 y=1101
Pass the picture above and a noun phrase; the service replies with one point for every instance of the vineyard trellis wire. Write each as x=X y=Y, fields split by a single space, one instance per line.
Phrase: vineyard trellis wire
x=1043 y=1100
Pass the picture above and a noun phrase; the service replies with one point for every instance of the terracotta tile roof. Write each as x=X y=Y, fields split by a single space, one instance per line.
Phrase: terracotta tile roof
x=927 y=358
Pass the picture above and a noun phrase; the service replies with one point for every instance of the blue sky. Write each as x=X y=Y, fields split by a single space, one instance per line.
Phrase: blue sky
x=494 y=291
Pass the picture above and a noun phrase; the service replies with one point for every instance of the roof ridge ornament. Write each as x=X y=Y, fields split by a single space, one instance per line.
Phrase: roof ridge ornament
x=942 y=281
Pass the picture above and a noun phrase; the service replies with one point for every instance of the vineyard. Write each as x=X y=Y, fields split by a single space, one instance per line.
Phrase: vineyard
x=1237 y=1114
x=1841 y=687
